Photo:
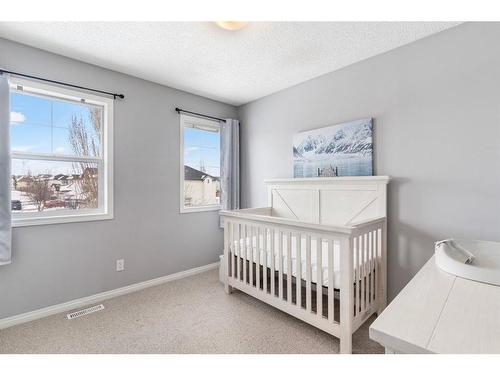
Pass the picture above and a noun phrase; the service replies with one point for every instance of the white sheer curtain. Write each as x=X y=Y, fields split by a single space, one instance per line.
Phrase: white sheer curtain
x=230 y=166
x=5 y=177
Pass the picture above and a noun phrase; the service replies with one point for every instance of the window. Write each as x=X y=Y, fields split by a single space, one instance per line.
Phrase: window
x=61 y=143
x=200 y=164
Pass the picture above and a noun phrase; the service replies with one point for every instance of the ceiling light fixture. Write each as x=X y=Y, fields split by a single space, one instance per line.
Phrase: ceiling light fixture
x=231 y=25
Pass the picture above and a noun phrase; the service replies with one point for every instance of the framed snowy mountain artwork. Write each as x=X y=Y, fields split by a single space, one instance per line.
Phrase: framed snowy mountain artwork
x=340 y=150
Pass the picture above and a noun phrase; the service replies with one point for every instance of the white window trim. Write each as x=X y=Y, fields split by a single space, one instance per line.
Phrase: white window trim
x=105 y=211
x=184 y=119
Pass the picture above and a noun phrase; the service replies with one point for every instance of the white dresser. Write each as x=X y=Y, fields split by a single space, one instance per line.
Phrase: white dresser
x=440 y=313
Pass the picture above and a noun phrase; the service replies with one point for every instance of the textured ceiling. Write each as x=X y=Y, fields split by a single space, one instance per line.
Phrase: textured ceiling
x=235 y=67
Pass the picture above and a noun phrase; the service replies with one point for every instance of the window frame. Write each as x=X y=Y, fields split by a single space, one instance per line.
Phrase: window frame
x=201 y=121
x=104 y=163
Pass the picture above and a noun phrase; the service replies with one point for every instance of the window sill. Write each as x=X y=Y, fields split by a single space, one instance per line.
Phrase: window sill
x=187 y=210
x=63 y=219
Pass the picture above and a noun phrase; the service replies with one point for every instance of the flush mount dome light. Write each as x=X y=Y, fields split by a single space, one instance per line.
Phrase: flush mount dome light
x=231 y=25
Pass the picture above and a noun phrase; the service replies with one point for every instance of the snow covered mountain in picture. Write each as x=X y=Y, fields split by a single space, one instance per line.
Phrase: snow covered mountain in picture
x=340 y=150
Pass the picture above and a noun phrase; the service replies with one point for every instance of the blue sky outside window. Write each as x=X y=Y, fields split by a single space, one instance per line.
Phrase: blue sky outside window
x=42 y=125
x=202 y=150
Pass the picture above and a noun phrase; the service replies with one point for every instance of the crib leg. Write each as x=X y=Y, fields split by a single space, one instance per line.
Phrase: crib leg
x=383 y=272
x=346 y=295
x=382 y=300
x=227 y=288
x=227 y=258
x=381 y=306
x=345 y=343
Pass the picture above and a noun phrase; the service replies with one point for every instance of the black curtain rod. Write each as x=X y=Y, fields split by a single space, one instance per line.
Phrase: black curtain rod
x=121 y=96
x=179 y=110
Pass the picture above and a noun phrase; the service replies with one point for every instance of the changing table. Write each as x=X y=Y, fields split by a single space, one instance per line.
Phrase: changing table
x=440 y=313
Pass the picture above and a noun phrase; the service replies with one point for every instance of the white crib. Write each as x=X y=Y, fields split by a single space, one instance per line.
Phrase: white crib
x=317 y=252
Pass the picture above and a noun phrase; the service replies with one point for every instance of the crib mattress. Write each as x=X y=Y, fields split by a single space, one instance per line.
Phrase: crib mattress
x=252 y=250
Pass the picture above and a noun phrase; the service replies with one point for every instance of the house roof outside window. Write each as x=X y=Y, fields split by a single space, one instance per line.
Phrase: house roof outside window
x=191 y=174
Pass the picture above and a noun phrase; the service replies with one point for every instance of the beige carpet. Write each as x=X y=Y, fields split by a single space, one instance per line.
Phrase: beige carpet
x=191 y=315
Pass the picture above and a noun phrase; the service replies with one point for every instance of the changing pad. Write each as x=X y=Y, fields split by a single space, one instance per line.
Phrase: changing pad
x=485 y=266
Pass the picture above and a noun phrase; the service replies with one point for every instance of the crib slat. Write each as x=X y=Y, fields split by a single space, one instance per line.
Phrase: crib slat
x=232 y=247
x=273 y=287
x=308 y=273
x=363 y=272
x=374 y=265
x=319 y=276
x=375 y=255
x=239 y=248
x=244 y=252
x=257 y=257
x=370 y=267
x=239 y=252
x=289 y=267
x=367 y=268
x=331 y=299
x=226 y=244
x=298 y=278
x=374 y=248
x=264 y=262
x=248 y=249
x=280 y=265
x=360 y=276
x=356 y=273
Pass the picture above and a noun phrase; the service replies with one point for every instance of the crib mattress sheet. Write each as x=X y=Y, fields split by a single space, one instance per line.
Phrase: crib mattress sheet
x=251 y=254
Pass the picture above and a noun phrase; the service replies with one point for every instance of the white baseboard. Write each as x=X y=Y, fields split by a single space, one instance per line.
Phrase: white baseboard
x=81 y=302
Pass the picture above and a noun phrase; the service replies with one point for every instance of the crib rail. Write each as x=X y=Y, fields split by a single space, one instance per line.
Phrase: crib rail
x=329 y=277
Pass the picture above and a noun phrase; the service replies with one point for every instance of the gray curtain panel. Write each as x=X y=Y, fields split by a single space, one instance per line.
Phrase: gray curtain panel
x=5 y=178
x=230 y=166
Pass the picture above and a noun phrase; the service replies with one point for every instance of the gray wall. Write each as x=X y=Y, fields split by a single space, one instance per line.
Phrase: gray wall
x=57 y=263
x=436 y=110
